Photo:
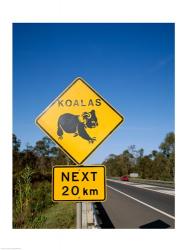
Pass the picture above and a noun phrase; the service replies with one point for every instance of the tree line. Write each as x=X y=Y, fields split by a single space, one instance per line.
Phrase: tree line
x=158 y=165
x=40 y=157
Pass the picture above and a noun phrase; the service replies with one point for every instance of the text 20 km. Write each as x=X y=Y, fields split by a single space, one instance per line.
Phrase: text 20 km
x=75 y=190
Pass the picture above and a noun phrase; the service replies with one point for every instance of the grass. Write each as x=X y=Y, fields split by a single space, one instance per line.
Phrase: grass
x=61 y=215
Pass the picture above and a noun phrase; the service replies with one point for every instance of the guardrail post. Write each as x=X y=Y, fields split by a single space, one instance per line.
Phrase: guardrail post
x=90 y=216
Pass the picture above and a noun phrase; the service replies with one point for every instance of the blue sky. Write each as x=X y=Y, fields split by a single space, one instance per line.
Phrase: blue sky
x=130 y=65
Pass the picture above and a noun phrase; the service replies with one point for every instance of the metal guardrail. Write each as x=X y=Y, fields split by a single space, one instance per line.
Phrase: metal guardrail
x=148 y=181
x=154 y=182
x=87 y=217
x=96 y=218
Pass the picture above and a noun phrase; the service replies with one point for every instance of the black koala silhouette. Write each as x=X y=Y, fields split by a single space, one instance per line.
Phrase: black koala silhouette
x=70 y=123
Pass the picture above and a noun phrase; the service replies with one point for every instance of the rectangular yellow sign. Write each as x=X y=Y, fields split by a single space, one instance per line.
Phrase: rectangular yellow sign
x=79 y=183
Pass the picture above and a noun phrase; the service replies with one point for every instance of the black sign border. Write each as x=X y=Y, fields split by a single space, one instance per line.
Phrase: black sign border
x=76 y=79
x=81 y=166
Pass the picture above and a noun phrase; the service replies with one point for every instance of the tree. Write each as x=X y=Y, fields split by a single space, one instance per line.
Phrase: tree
x=154 y=154
x=132 y=150
x=161 y=168
x=118 y=165
x=16 y=143
x=168 y=150
x=172 y=165
x=28 y=157
x=44 y=150
x=110 y=163
x=16 y=153
x=168 y=146
x=145 y=167
x=42 y=147
x=141 y=152
x=59 y=157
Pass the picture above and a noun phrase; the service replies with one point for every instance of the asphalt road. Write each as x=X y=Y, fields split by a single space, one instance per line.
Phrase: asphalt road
x=138 y=206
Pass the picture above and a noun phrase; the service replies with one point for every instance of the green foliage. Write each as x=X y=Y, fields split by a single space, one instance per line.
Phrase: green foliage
x=32 y=169
x=159 y=165
x=22 y=197
x=30 y=200
x=40 y=158
x=168 y=146
x=118 y=165
x=16 y=143
x=38 y=222
x=41 y=197
x=145 y=167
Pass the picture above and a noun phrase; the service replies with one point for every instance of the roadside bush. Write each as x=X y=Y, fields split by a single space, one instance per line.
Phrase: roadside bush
x=30 y=199
x=41 y=197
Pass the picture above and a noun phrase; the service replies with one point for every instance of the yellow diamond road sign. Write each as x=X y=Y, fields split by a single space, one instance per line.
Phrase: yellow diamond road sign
x=80 y=183
x=79 y=120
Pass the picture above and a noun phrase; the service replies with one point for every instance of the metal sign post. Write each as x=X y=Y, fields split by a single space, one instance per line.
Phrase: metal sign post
x=79 y=215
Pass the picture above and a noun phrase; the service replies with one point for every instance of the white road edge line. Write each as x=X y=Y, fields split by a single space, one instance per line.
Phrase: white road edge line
x=156 y=209
x=158 y=191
